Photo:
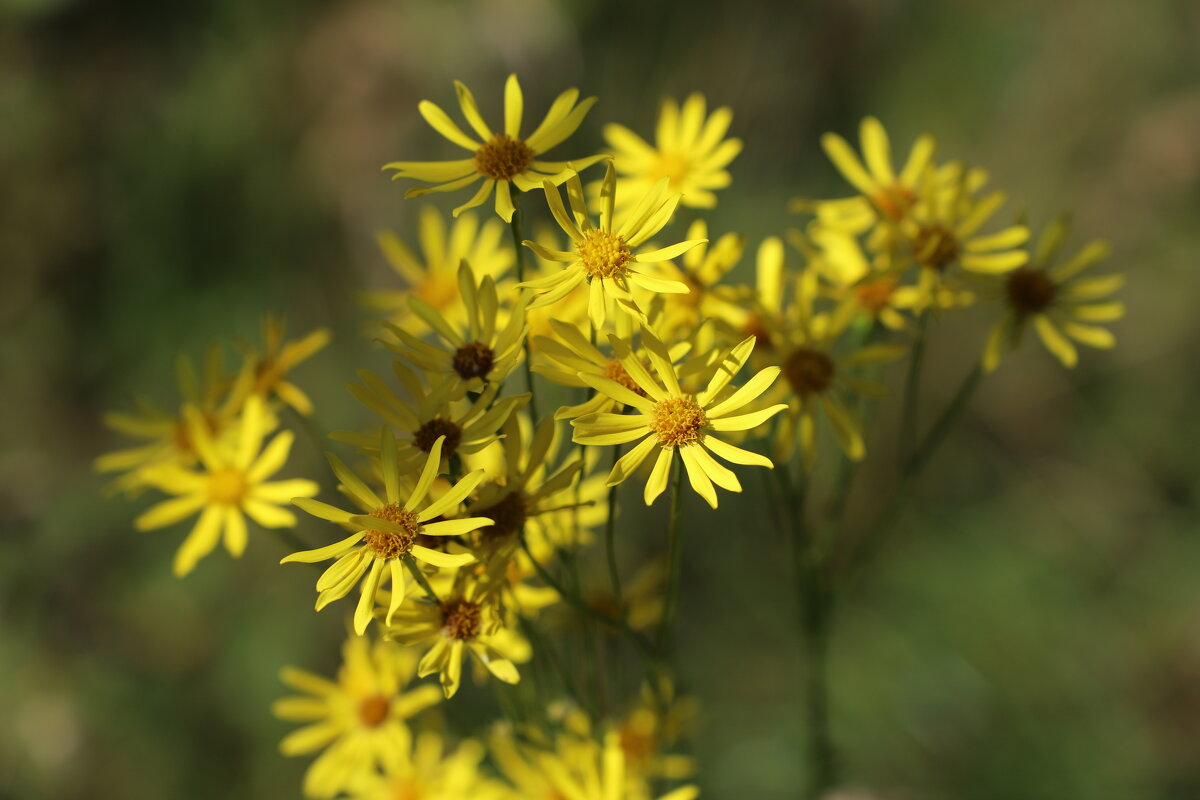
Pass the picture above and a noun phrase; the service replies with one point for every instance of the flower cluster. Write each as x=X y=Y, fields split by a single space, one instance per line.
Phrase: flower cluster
x=529 y=381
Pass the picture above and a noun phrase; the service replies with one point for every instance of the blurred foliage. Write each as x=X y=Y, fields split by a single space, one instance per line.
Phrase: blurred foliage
x=173 y=170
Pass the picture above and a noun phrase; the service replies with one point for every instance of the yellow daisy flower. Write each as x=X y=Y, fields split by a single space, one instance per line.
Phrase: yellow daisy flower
x=475 y=352
x=667 y=419
x=433 y=277
x=500 y=160
x=387 y=535
x=605 y=258
x=468 y=425
x=702 y=269
x=465 y=620
x=690 y=150
x=359 y=721
x=230 y=484
x=889 y=196
x=265 y=373
x=1059 y=304
x=430 y=772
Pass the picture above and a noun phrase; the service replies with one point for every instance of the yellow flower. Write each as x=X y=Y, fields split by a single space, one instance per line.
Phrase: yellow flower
x=501 y=160
x=465 y=620
x=885 y=196
x=578 y=768
x=429 y=772
x=359 y=722
x=604 y=258
x=434 y=276
x=667 y=419
x=473 y=353
x=469 y=426
x=702 y=269
x=167 y=436
x=1060 y=305
x=816 y=376
x=387 y=534
x=690 y=151
x=265 y=374
x=231 y=483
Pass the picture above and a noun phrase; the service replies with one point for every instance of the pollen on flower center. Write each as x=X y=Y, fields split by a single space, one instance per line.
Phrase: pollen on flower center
x=615 y=371
x=935 y=246
x=461 y=619
x=874 y=296
x=677 y=421
x=502 y=157
x=374 y=710
x=393 y=545
x=428 y=433
x=508 y=516
x=1030 y=291
x=808 y=371
x=672 y=167
x=604 y=255
x=227 y=486
x=893 y=201
x=473 y=360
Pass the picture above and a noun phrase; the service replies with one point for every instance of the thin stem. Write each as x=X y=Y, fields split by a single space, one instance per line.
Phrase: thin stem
x=674 y=561
x=912 y=385
x=411 y=563
x=610 y=525
x=519 y=253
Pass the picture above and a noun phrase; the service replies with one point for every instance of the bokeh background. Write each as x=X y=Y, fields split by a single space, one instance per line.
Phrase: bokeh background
x=169 y=171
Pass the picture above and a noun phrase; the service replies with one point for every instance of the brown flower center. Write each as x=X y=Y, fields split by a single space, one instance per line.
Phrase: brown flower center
x=427 y=434
x=1030 y=291
x=508 y=516
x=808 y=371
x=502 y=157
x=677 y=421
x=387 y=544
x=603 y=255
x=227 y=486
x=874 y=296
x=461 y=619
x=374 y=710
x=935 y=247
x=615 y=371
x=473 y=360
x=754 y=326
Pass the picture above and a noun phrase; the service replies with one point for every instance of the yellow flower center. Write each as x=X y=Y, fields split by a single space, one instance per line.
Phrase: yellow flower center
x=227 y=486
x=502 y=157
x=1029 y=291
x=473 y=360
x=440 y=291
x=893 y=202
x=604 y=255
x=387 y=544
x=677 y=421
x=427 y=434
x=808 y=371
x=672 y=166
x=875 y=296
x=508 y=516
x=615 y=371
x=374 y=710
x=935 y=247
x=461 y=619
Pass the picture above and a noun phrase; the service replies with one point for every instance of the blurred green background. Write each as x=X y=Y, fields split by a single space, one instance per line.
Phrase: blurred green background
x=169 y=171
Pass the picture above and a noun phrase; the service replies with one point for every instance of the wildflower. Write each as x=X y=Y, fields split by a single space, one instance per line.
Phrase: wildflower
x=702 y=269
x=230 y=484
x=466 y=619
x=387 y=534
x=668 y=420
x=474 y=352
x=501 y=160
x=430 y=771
x=689 y=150
x=1060 y=305
x=603 y=258
x=359 y=721
x=265 y=373
x=433 y=277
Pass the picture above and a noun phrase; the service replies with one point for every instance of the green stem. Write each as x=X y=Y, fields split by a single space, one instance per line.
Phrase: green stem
x=519 y=254
x=912 y=384
x=674 y=562
x=610 y=525
x=411 y=563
